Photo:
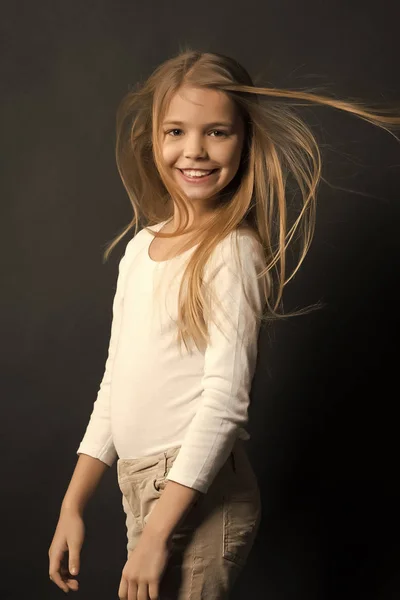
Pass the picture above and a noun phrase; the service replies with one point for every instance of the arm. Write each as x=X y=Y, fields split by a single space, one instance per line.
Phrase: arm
x=229 y=365
x=171 y=508
x=228 y=370
x=97 y=441
x=85 y=479
x=70 y=529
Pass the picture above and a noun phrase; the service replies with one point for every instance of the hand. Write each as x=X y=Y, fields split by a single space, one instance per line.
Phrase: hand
x=69 y=536
x=143 y=570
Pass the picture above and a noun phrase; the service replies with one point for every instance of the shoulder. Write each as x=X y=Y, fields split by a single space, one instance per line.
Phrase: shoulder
x=134 y=244
x=142 y=236
x=246 y=230
x=240 y=254
x=243 y=241
x=143 y=233
x=155 y=227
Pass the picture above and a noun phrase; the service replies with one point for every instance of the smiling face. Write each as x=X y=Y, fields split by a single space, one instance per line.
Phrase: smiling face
x=202 y=130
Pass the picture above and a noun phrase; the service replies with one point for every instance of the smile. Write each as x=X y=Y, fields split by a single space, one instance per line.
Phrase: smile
x=195 y=176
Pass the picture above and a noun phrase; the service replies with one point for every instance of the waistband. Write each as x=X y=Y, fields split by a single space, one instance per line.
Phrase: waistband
x=161 y=462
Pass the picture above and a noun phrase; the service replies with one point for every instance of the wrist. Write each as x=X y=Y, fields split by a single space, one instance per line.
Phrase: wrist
x=157 y=533
x=71 y=508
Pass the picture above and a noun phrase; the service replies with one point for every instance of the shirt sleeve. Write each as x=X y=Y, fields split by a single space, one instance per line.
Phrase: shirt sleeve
x=229 y=365
x=97 y=440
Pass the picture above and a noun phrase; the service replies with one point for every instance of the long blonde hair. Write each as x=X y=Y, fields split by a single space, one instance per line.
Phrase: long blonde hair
x=279 y=148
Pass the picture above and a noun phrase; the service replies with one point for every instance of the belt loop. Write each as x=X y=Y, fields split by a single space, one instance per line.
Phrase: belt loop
x=165 y=464
x=233 y=461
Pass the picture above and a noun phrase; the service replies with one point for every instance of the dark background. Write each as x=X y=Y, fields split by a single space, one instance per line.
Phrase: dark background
x=323 y=416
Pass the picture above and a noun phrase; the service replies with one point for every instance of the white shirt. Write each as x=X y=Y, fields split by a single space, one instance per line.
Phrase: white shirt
x=153 y=395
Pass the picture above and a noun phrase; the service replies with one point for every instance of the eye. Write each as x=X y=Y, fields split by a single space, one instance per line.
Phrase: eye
x=171 y=130
x=219 y=131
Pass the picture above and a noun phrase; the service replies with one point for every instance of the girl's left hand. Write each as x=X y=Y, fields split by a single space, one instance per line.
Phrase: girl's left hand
x=143 y=570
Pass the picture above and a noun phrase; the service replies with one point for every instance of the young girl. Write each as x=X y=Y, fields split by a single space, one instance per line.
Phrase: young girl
x=197 y=140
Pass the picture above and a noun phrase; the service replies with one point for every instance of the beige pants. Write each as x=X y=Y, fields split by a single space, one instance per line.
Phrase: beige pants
x=211 y=545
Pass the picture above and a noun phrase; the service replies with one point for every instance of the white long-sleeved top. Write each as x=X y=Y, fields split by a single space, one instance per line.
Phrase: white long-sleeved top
x=153 y=395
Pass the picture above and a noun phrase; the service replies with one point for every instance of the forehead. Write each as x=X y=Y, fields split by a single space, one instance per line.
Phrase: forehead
x=200 y=104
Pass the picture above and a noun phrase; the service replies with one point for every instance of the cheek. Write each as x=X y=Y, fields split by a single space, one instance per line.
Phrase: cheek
x=169 y=154
x=230 y=157
x=232 y=163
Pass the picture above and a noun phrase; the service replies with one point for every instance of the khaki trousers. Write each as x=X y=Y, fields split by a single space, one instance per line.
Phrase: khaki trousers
x=211 y=545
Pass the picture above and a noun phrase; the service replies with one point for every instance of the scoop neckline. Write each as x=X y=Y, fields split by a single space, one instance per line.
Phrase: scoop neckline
x=158 y=227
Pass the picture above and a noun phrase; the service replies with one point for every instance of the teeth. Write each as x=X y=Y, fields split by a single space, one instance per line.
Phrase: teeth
x=196 y=173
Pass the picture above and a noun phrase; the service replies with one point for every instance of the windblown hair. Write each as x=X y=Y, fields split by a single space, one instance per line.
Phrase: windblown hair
x=280 y=153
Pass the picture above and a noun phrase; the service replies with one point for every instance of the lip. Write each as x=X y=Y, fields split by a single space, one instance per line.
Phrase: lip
x=200 y=180
x=196 y=168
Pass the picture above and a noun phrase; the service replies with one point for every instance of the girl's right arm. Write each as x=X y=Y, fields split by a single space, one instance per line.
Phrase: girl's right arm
x=84 y=481
x=70 y=530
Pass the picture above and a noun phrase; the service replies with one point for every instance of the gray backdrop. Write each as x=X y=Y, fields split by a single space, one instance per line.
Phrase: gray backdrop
x=324 y=432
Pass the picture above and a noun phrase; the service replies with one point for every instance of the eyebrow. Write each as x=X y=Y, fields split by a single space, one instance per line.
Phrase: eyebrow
x=214 y=124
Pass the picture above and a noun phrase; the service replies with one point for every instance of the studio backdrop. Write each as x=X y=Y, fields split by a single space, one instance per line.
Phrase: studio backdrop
x=323 y=426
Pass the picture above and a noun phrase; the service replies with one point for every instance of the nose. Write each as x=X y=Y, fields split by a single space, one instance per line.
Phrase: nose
x=194 y=147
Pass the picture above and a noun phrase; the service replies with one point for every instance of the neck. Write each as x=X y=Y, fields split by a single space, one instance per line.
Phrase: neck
x=194 y=221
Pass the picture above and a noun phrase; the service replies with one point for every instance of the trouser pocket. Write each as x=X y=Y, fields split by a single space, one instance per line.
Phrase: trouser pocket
x=241 y=519
x=241 y=508
x=142 y=481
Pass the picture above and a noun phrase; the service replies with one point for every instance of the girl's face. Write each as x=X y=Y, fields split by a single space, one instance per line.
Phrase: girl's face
x=202 y=131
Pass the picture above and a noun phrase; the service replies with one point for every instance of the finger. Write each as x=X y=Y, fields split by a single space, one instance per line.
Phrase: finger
x=74 y=559
x=67 y=576
x=56 y=578
x=133 y=591
x=154 y=590
x=123 y=589
x=54 y=570
x=73 y=584
x=142 y=592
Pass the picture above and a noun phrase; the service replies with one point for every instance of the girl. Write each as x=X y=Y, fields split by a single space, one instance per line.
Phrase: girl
x=195 y=140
